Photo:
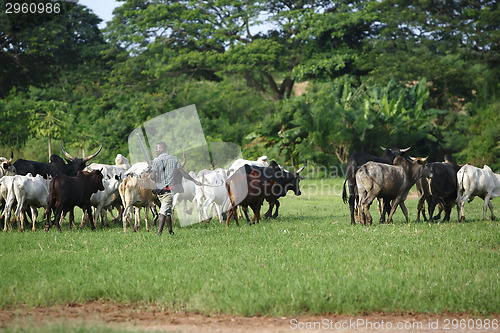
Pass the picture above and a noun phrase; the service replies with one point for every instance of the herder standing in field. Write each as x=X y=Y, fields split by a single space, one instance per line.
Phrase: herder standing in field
x=164 y=168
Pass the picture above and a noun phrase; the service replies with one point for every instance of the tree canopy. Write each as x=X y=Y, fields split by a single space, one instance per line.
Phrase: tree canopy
x=315 y=80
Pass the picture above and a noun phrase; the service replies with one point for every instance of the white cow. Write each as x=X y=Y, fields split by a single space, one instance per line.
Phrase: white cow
x=472 y=182
x=6 y=196
x=137 y=169
x=109 y=171
x=32 y=192
x=27 y=191
x=212 y=193
x=262 y=161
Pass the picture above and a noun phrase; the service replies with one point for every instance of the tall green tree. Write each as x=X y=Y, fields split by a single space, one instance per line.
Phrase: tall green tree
x=270 y=44
x=61 y=47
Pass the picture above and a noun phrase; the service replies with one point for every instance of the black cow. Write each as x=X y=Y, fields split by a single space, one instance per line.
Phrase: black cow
x=443 y=186
x=66 y=192
x=357 y=160
x=56 y=167
x=282 y=182
x=251 y=185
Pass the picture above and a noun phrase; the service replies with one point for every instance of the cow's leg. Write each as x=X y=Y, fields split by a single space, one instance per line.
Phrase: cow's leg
x=461 y=203
x=71 y=218
x=257 y=212
x=277 y=203
x=154 y=212
x=245 y=211
x=137 y=218
x=491 y=209
x=381 y=208
x=351 y=208
x=487 y=203
x=405 y=211
x=47 y=214
x=395 y=204
x=447 y=212
x=364 y=206
x=91 y=219
x=34 y=214
x=232 y=213
x=432 y=206
x=268 y=214
x=124 y=219
x=385 y=210
x=58 y=217
x=421 y=208
x=440 y=207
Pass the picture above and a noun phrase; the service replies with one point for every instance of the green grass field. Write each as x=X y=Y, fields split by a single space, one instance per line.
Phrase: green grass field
x=309 y=260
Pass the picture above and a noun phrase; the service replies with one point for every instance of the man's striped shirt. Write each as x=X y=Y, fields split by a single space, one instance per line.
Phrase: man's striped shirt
x=165 y=165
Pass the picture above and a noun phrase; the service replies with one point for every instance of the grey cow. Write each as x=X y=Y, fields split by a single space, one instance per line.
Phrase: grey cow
x=390 y=182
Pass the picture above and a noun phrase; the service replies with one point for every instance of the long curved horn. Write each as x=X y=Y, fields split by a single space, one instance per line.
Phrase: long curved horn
x=88 y=158
x=11 y=157
x=405 y=150
x=68 y=156
x=298 y=171
x=383 y=148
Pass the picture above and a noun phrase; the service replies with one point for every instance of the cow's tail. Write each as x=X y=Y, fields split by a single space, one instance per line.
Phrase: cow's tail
x=344 y=192
x=460 y=186
x=345 y=198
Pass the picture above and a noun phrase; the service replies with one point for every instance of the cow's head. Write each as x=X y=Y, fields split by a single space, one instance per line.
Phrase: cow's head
x=285 y=180
x=391 y=153
x=78 y=163
x=96 y=180
x=420 y=168
x=6 y=166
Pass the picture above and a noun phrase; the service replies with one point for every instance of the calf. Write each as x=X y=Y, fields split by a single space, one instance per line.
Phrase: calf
x=390 y=182
x=66 y=192
x=473 y=182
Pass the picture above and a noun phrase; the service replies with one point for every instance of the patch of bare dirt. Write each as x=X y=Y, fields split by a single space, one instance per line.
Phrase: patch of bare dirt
x=155 y=318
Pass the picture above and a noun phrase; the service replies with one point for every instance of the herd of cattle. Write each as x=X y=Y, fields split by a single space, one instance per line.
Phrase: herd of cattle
x=61 y=185
x=389 y=179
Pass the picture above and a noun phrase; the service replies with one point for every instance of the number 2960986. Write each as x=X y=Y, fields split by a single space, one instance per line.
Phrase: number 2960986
x=32 y=8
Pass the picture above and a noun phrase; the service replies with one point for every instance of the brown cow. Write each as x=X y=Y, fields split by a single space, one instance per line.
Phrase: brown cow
x=137 y=192
x=246 y=189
